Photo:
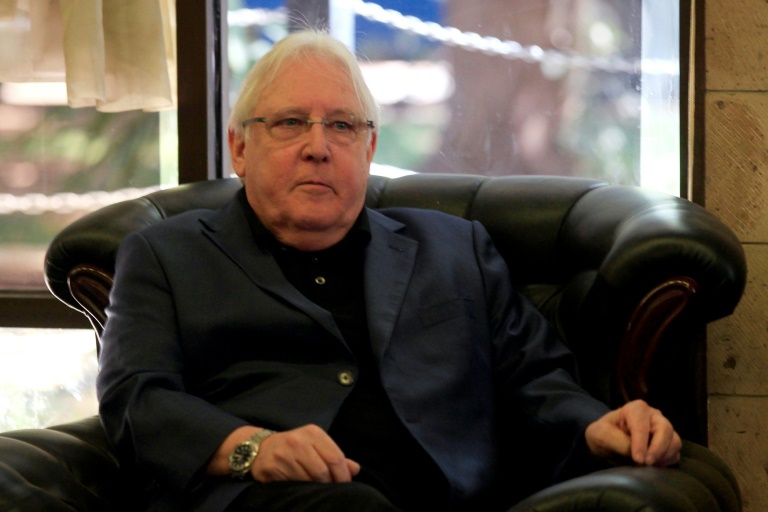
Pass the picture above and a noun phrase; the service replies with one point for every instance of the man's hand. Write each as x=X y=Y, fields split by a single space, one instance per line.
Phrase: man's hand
x=307 y=454
x=638 y=432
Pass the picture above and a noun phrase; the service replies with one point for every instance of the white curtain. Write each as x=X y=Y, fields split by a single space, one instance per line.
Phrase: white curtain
x=114 y=55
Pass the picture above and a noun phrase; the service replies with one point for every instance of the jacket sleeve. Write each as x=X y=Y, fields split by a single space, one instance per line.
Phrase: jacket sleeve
x=144 y=407
x=543 y=411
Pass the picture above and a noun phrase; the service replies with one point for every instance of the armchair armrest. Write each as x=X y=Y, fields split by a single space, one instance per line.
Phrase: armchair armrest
x=701 y=481
x=65 y=468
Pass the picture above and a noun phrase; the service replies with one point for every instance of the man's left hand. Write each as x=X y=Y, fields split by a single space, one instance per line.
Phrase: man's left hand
x=637 y=432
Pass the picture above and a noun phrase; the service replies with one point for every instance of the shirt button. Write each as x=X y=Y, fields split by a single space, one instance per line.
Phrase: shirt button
x=346 y=378
x=320 y=280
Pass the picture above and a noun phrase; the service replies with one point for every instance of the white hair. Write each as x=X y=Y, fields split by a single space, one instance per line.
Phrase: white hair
x=306 y=43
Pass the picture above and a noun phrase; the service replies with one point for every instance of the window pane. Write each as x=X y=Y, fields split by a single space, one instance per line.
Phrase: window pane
x=47 y=377
x=59 y=163
x=588 y=88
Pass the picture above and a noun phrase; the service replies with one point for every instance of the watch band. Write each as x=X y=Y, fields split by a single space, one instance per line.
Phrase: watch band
x=242 y=457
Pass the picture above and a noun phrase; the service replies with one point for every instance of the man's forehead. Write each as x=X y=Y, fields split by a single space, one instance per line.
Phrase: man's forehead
x=304 y=84
x=305 y=69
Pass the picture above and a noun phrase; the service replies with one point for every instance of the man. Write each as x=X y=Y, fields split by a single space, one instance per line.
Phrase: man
x=296 y=351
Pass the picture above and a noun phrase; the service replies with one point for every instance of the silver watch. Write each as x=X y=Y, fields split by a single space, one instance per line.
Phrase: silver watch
x=242 y=457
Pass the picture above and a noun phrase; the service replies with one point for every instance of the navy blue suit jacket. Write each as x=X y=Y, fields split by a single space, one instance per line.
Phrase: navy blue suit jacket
x=204 y=335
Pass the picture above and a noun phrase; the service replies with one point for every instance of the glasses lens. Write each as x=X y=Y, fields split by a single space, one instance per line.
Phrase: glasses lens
x=342 y=129
x=286 y=128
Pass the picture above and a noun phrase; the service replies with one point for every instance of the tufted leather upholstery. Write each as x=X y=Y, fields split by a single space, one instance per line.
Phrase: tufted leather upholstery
x=629 y=277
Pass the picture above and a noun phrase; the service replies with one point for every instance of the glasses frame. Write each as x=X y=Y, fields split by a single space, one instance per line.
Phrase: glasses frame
x=367 y=124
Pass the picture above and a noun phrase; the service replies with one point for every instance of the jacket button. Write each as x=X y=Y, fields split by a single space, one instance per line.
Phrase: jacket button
x=346 y=378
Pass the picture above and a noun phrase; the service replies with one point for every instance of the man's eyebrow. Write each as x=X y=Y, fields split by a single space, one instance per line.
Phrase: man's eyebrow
x=340 y=111
x=294 y=111
x=289 y=111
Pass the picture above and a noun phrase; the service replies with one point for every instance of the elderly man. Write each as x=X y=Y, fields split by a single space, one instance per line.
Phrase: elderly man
x=297 y=351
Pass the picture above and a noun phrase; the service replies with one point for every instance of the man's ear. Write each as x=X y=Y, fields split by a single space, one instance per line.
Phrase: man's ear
x=372 y=146
x=237 y=152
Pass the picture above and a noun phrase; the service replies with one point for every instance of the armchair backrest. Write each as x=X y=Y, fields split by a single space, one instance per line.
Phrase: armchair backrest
x=629 y=277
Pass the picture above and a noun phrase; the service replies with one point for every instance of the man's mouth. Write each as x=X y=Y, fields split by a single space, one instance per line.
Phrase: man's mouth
x=315 y=185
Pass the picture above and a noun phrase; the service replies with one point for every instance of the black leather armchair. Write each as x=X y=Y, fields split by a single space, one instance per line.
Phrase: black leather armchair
x=629 y=277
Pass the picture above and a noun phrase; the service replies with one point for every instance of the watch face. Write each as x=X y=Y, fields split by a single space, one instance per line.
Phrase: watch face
x=241 y=456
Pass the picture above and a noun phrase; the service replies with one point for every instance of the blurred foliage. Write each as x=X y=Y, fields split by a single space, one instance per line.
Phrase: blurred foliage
x=80 y=150
x=20 y=228
x=406 y=144
x=73 y=150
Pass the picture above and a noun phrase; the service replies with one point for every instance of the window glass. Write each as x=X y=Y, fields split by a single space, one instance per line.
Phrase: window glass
x=585 y=88
x=59 y=163
x=47 y=377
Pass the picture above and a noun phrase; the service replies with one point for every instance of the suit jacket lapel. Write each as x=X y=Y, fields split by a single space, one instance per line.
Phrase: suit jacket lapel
x=229 y=230
x=390 y=259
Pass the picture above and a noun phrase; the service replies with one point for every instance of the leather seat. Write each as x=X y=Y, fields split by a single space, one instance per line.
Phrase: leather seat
x=629 y=277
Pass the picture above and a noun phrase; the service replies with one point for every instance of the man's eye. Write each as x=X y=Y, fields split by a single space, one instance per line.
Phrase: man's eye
x=288 y=122
x=341 y=126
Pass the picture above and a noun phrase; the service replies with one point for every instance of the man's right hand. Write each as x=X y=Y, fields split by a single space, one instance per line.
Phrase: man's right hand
x=307 y=454
x=304 y=454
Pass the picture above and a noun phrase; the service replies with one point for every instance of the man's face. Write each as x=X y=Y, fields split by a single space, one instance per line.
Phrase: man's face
x=307 y=191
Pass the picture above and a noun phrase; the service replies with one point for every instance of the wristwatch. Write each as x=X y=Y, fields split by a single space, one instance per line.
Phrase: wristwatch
x=242 y=457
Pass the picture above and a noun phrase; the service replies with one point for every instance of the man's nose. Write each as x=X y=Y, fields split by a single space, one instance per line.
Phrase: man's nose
x=317 y=147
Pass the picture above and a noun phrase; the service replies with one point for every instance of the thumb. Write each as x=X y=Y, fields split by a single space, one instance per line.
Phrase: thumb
x=605 y=439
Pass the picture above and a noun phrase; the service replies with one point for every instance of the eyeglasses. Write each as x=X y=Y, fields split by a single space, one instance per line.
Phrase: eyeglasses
x=339 y=128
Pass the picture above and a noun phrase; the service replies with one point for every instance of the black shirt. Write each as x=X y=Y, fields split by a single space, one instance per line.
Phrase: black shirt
x=367 y=428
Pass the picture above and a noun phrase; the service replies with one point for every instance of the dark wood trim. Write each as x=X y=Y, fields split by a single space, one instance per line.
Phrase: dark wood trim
x=200 y=63
x=698 y=117
x=692 y=163
x=38 y=310
x=685 y=95
x=221 y=91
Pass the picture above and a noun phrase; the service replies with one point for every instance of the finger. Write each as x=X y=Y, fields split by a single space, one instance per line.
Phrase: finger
x=331 y=465
x=637 y=421
x=315 y=455
x=318 y=469
x=661 y=443
x=344 y=471
x=354 y=467
x=672 y=455
x=617 y=442
x=649 y=427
